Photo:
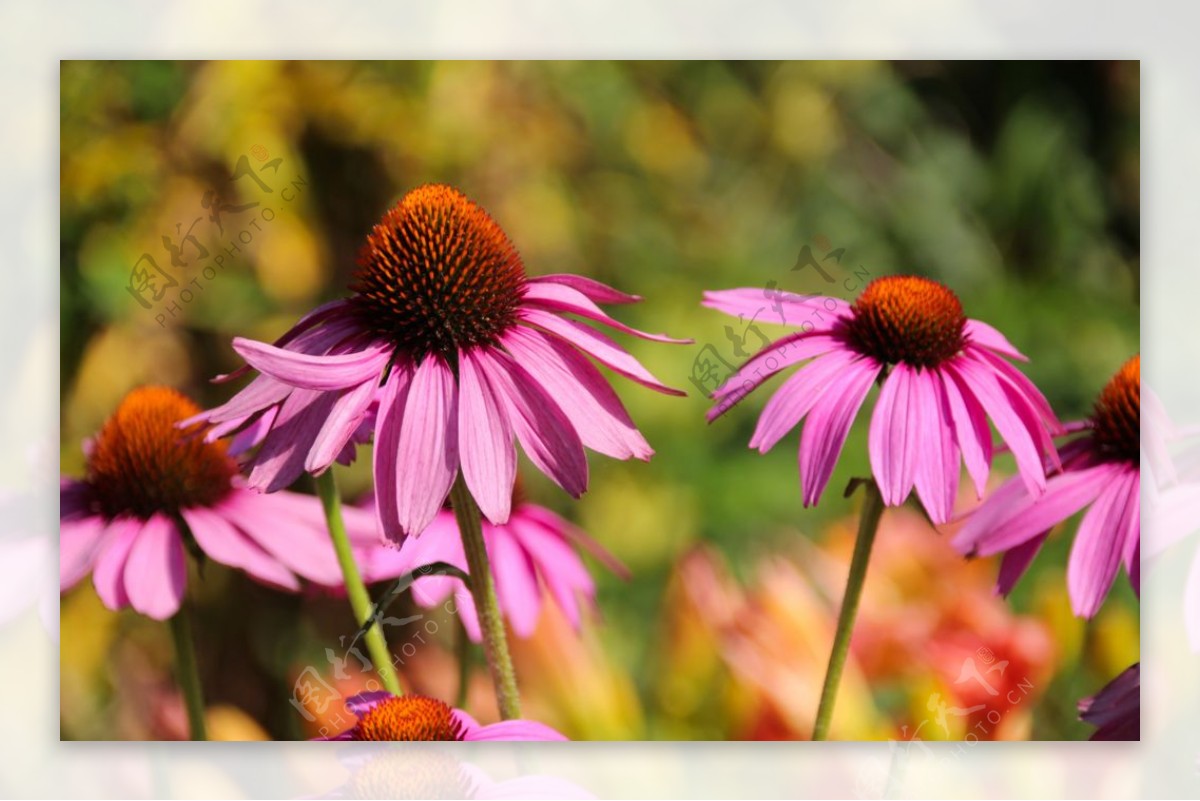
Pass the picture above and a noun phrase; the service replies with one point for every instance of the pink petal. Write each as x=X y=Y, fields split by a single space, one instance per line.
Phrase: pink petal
x=259 y=394
x=1096 y=553
x=558 y=527
x=937 y=470
x=516 y=584
x=600 y=347
x=797 y=395
x=892 y=441
x=156 y=573
x=392 y=399
x=108 y=577
x=485 y=440
x=1016 y=561
x=816 y=310
x=306 y=371
x=1024 y=388
x=361 y=704
x=557 y=563
x=223 y=543
x=427 y=446
x=280 y=458
x=971 y=431
x=792 y=349
x=272 y=522
x=591 y=289
x=562 y=298
x=509 y=730
x=825 y=431
x=546 y=434
x=585 y=396
x=344 y=416
x=79 y=542
x=983 y=334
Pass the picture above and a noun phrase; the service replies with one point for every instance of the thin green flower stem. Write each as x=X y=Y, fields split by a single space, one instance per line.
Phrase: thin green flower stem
x=868 y=524
x=483 y=590
x=187 y=672
x=356 y=591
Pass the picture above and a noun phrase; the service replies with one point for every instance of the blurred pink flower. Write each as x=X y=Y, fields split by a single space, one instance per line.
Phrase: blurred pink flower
x=535 y=548
x=383 y=716
x=1101 y=469
x=1116 y=711
x=148 y=484
x=942 y=375
x=456 y=351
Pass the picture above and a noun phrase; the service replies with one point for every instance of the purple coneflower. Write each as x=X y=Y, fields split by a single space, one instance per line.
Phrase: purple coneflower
x=383 y=716
x=1116 y=711
x=148 y=483
x=535 y=549
x=1100 y=469
x=943 y=377
x=447 y=350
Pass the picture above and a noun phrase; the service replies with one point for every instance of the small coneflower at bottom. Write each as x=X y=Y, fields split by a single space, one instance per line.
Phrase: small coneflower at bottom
x=1116 y=711
x=536 y=548
x=383 y=716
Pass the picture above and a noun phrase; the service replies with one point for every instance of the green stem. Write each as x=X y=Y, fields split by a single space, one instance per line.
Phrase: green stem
x=868 y=524
x=356 y=591
x=187 y=672
x=483 y=590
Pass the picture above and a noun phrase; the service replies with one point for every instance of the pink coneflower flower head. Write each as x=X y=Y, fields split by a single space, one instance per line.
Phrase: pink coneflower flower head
x=152 y=492
x=383 y=716
x=448 y=352
x=1100 y=472
x=942 y=375
x=530 y=555
x=1116 y=711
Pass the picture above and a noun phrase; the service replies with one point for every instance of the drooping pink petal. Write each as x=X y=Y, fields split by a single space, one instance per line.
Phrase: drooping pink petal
x=1016 y=561
x=792 y=349
x=819 y=311
x=339 y=427
x=271 y=523
x=797 y=395
x=827 y=426
x=592 y=289
x=280 y=458
x=156 y=572
x=224 y=543
x=971 y=432
x=260 y=393
x=600 y=347
x=392 y=399
x=1065 y=494
x=892 y=441
x=557 y=563
x=516 y=583
x=1096 y=552
x=557 y=526
x=546 y=434
x=584 y=394
x=1029 y=394
x=327 y=372
x=427 y=446
x=253 y=433
x=984 y=335
x=315 y=340
x=984 y=387
x=485 y=440
x=79 y=543
x=562 y=298
x=510 y=730
x=938 y=462
x=108 y=577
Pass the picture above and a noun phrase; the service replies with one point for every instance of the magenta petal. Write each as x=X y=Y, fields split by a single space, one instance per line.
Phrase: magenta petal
x=557 y=527
x=344 y=416
x=591 y=289
x=785 y=352
x=156 y=572
x=485 y=440
x=363 y=703
x=892 y=441
x=1096 y=553
x=280 y=459
x=600 y=347
x=307 y=371
x=274 y=523
x=825 y=431
x=427 y=446
x=79 y=542
x=584 y=395
x=557 y=563
x=937 y=470
x=971 y=431
x=796 y=396
x=223 y=543
x=510 y=730
x=516 y=583
x=392 y=399
x=756 y=304
x=546 y=434
x=1016 y=561
x=983 y=334
x=562 y=298
x=260 y=393
x=108 y=576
